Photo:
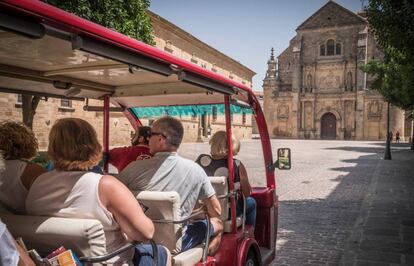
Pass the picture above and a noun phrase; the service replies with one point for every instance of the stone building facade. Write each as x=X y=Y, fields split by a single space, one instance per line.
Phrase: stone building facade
x=169 y=38
x=316 y=90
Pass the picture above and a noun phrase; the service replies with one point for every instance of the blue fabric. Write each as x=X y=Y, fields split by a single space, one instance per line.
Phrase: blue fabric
x=144 y=257
x=251 y=207
x=195 y=234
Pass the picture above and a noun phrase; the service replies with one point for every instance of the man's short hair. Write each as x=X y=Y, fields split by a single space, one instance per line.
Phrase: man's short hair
x=172 y=129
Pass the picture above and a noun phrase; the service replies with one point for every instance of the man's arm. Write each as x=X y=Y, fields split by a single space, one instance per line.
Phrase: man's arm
x=213 y=206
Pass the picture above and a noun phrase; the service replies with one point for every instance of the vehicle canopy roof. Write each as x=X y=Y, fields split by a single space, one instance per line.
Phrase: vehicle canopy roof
x=47 y=51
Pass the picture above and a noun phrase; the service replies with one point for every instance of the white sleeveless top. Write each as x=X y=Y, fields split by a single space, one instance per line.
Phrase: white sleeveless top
x=73 y=194
x=12 y=191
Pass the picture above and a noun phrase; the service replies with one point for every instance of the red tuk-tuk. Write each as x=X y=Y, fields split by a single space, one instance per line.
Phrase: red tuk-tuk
x=41 y=52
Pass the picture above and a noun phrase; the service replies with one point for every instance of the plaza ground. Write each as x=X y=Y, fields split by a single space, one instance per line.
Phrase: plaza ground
x=340 y=203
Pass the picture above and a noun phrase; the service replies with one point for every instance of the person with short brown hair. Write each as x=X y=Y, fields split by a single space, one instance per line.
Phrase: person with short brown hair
x=122 y=156
x=18 y=145
x=71 y=191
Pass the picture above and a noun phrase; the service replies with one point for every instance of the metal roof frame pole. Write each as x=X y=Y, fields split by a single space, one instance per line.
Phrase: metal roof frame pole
x=105 y=129
x=230 y=164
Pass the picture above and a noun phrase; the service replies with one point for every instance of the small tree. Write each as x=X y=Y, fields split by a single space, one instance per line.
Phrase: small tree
x=125 y=16
x=393 y=25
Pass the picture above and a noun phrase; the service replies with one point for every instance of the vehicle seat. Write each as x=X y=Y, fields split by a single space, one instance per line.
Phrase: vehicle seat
x=167 y=206
x=220 y=185
x=45 y=234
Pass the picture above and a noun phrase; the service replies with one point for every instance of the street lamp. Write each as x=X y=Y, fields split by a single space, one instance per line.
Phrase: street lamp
x=387 y=155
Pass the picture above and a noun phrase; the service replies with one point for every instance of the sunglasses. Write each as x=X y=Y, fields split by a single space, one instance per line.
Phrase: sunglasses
x=157 y=134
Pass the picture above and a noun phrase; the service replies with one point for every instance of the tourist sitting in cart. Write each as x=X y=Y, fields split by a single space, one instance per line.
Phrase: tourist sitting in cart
x=71 y=191
x=167 y=171
x=139 y=150
x=18 y=145
x=216 y=165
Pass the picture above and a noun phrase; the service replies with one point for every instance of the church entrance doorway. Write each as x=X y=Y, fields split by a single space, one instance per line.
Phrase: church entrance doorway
x=328 y=126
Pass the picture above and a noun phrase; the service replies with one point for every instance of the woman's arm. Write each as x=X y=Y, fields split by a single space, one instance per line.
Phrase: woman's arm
x=119 y=200
x=244 y=181
x=30 y=173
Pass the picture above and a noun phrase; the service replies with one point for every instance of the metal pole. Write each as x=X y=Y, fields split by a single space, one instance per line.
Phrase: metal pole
x=387 y=155
x=412 y=134
x=230 y=164
x=106 y=129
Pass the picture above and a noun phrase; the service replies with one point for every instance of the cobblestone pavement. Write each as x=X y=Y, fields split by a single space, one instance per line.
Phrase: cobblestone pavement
x=320 y=197
x=384 y=232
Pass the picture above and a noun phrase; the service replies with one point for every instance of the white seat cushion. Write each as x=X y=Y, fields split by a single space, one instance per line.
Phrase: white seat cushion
x=84 y=236
x=189 y=257
x=220 y=185
x=164 y=206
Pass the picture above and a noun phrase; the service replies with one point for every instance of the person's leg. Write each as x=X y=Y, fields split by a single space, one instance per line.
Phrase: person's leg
x=250 y=210
x=251 y=207
x=215 y=241
x=195 y=234
x=144 y=256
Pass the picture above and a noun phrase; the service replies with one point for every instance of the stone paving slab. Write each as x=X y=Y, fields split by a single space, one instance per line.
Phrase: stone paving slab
x=384 y=231
x=324 y=198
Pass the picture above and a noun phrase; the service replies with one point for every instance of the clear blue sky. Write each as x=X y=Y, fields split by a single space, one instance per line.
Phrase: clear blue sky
x=244 y=30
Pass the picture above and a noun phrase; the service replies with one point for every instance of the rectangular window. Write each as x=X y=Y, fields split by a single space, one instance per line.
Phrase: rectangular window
x=338 y=48
x=322 y=51
x=214 y=113
x=243 y=118
x=66 y=103
x=19 y=98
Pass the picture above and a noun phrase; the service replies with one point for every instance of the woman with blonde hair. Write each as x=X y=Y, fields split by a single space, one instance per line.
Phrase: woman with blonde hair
x=216 y=165
x=18 y=145
x=72 y=191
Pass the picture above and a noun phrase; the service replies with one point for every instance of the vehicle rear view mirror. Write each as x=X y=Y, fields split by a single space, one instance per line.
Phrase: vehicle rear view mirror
x=283 y=159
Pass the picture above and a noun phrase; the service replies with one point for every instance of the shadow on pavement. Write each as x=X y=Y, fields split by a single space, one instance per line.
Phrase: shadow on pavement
x=367 y=220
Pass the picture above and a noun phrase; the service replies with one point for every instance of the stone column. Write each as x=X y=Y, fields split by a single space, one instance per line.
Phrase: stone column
x=397 y=121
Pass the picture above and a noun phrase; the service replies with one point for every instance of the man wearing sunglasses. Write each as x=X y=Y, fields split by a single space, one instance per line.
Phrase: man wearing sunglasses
x=167 y=171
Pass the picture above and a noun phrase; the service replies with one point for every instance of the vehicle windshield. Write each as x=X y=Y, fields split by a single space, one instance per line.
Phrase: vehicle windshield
x=187 y=110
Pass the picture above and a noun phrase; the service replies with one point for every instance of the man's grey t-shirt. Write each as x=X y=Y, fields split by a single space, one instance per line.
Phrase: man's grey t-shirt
x=167 y=171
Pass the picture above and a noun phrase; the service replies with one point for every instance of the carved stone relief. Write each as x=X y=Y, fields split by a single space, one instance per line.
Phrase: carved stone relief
x=330 y=80
x=283 y=111
x=349 y=109
x=374 y=108
x=308 y=115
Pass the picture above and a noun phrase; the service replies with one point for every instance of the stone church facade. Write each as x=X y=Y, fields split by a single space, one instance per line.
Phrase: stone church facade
x=169 y=38
x=316 y=90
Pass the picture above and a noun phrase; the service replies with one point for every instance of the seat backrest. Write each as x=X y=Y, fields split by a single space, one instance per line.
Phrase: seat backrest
x=85 y=237
x=164 y=205
x=220 y=185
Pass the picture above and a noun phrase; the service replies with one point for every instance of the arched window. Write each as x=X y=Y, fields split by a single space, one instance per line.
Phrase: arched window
x=330 y=47
x=322 y=52
x=338 y=48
